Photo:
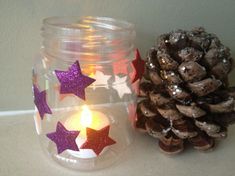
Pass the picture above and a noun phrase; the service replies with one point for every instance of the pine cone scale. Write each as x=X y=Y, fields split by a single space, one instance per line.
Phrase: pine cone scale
x=204 y=87
x=191 y=111
x=191 y=71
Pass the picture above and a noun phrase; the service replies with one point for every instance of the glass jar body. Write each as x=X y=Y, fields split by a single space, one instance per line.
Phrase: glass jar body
x=102 y=48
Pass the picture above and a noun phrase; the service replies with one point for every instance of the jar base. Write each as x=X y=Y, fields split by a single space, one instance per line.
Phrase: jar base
x=69 y=161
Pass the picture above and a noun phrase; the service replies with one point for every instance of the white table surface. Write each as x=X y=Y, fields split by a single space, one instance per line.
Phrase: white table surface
x=21 y=155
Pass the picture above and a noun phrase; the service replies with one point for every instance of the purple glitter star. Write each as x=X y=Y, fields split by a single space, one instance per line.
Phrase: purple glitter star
x=63 y=138
x=73 y=81
x=40 y=102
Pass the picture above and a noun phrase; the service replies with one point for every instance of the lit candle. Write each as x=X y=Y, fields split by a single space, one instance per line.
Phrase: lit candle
x=79 y=122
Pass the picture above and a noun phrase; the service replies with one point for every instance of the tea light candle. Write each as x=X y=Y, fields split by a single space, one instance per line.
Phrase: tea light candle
x=79 y=122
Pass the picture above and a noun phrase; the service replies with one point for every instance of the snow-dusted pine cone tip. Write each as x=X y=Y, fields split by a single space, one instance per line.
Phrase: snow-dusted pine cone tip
x=185 y=93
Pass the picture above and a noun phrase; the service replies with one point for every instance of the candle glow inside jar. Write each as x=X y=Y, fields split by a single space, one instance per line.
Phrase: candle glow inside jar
x=82 y=120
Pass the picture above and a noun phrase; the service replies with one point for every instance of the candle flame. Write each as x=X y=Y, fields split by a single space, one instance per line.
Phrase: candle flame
x=92 y=75
x=86 y=116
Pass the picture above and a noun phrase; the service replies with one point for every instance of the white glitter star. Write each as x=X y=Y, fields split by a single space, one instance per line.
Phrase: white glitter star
x=100 y=80
x=120 y=86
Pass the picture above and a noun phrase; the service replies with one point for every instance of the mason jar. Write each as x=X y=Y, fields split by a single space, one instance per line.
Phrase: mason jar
x=83 y=92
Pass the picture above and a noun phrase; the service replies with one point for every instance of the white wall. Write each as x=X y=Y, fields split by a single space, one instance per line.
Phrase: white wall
x=20 y=22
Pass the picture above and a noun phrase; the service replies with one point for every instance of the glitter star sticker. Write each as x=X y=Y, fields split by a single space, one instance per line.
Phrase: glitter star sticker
x=97 y=140
x=120 y=86
x=138 y=65
x=40 y=101
x=101 y=79
x=73 y=81
x=63 y=138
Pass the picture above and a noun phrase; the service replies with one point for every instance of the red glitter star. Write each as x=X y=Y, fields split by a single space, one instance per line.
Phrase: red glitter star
x=97 y=140
x=138 y=65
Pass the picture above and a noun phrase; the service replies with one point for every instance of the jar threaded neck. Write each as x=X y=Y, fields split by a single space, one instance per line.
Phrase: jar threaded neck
x=88 y=39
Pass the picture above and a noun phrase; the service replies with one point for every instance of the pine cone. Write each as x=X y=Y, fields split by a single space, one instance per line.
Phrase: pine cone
x=185 y=93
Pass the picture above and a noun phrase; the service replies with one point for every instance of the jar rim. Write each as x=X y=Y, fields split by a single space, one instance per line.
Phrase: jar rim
x=65 y=23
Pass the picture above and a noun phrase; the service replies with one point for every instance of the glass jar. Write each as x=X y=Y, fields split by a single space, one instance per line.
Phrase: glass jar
x=83 y=125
